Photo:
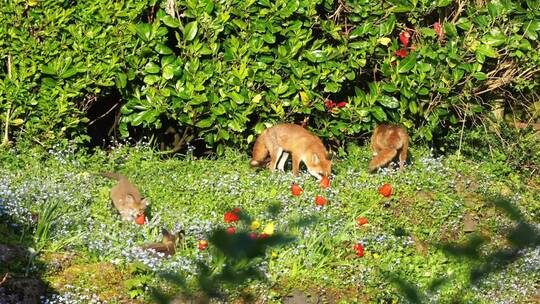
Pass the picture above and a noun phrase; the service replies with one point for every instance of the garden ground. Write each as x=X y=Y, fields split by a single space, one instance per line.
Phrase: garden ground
x=452 y=231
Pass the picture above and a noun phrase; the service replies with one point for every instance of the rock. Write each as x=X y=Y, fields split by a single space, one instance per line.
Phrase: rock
x=299 y=297
x=469 y=224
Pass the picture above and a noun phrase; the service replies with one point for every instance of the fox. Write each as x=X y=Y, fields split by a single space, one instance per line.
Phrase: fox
x=126 y=197
x=282 y=139
x=386 y=142
x=168 y=245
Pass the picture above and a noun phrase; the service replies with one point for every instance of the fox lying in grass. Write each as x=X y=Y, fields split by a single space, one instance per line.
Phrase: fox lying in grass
x=126 y=197
x=168 y=245
x=386 y=142
x=280 y=140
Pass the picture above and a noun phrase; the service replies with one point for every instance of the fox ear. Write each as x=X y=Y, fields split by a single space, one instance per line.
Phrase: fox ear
x=315 y=159
x=165 y=233
x=145 y=201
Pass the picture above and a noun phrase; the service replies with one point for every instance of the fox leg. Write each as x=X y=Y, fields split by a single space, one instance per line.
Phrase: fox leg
x=403 y=155
x=282 y=161
x=274 y=156
x=383 y=157
x=295 y=164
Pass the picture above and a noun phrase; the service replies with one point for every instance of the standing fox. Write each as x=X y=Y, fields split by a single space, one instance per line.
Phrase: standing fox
x=386 y=141
x=281 y=139
x=126 y=197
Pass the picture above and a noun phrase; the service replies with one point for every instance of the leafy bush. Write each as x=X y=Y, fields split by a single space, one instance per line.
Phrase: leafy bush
x=222 y=71
x=227 y=69
x=505 y=146
x=57 y=58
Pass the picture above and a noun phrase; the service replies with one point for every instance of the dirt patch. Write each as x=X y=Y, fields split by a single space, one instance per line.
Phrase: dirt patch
x=58 y=261
x=21 y=290
x=12 y=253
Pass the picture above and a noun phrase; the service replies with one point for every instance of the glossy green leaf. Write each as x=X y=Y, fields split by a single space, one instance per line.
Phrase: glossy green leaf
x=190 y=30
x=407 y=63
x=487 y=50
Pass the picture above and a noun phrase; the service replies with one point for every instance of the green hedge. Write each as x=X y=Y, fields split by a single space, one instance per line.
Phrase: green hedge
x=62 y=55
x=224 y=70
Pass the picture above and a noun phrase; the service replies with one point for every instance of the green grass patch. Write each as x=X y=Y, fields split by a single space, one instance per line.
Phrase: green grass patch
x=415 y=244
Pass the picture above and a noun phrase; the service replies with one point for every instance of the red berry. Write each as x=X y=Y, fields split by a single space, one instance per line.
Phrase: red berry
x=385 y=190
x=140 y=219
x=361 y=221
x=402 y=53
x=325 y=182
x=404 y=38
x=320 y=201
x=296 y=190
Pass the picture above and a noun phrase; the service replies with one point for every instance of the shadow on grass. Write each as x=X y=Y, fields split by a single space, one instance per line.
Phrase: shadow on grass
x=20 y=270
x=522 y=236
x=235 y=262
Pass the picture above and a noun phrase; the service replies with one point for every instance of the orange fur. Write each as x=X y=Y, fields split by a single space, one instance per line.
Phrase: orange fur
x=126 y=197
x=283 y=139
x=386 y=142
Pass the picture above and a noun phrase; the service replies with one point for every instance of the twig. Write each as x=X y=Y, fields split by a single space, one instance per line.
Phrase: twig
x=461 y=136
x=5 y=278
x=459 y=10
x=101 y=116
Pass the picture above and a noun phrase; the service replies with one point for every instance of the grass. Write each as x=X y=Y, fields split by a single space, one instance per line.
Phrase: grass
x=415 y=247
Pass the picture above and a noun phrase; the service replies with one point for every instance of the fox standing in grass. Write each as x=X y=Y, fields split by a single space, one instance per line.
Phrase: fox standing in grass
x=126 y=197
x=386 y=142
x=280 y=140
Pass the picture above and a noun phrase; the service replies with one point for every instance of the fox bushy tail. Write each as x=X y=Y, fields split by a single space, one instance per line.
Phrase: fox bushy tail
x=382 y=158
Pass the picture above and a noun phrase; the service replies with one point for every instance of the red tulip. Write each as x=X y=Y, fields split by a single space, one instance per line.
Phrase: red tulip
x=231 y=230
x=230 y=217
x=359 y=250
x=202 y=244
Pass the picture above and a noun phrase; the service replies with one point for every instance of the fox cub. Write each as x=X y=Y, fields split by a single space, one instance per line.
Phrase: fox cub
x=168 y=245
x=280 y=140
x=386 y=142
x=126 y=197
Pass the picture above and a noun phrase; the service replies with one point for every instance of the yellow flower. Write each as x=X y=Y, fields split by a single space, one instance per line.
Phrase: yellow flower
x=255 y=225
x=274 y=254
x=376 y=255
x=269 y=229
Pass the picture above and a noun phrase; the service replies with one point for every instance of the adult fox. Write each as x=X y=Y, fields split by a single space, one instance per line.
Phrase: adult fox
x=386 y=142
x=282 y=139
